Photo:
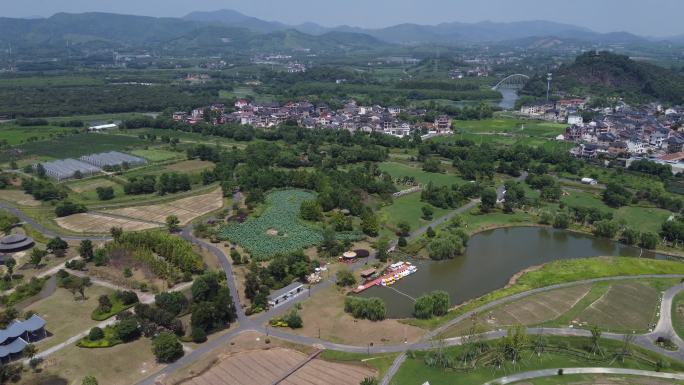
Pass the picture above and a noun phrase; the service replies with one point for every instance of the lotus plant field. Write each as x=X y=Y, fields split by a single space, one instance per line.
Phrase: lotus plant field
x=278 y=230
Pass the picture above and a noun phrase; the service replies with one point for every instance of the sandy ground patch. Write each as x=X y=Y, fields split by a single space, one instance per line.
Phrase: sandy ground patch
x=324 y=314
x=19 y=197
x=97 y=223
x=186 y=209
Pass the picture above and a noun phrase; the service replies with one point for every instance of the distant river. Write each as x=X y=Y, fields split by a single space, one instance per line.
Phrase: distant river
x=509 y=99
x=491 y=259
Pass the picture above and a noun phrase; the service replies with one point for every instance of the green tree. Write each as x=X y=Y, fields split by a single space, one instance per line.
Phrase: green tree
x=562 y=221
x=198 y=335
x=445 y=246
x=167 y=348
x=85 y=249
x=616 y=195
x=172 y=223
x=345 y=278
x=488 y=200
x=37 y=256
x=30 y=351
x=89 y=380
x=104 y=304
x=128 y=329
x=10 y=263
x=422 y=309
x=605 y=228
x=311 y=210
x=105 y=193
x=629 y=236
x=428 y=212
x=430 y=232
x=369 y=224
x=57 y=246
x=7 y=222
x=382 y=245
x=116 y=233
x=95 y=334
x=648 y=240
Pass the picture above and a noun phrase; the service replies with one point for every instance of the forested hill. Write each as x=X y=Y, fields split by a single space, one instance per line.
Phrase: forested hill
x=89 y=32
x=605 y=74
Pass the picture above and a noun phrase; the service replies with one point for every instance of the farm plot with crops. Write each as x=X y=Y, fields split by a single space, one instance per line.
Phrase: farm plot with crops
x=278 y=230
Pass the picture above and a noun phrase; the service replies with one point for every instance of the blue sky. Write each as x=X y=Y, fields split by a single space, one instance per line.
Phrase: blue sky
x=644 y=17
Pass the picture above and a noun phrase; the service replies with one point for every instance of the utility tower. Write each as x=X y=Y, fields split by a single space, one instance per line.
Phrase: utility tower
x=548 y=85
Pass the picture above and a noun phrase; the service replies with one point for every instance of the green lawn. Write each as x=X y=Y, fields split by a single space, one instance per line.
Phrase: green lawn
x=398 y=170
x=644 y=219
x=415 y=371
x=678 y=314
x=584 y=199
x=408 y=209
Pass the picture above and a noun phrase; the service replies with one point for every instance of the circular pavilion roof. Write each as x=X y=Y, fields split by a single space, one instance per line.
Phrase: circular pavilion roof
x=349 y=255
x=15 y=242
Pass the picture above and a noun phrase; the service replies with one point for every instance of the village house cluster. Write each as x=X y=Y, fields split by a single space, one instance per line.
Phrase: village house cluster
x=352 y=117
x=626 y=133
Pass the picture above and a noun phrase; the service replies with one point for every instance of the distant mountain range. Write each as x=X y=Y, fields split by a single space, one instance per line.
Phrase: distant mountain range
x=444 y=33
x=227 y=30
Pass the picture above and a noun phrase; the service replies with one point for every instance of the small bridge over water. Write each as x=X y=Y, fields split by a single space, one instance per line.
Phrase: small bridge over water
x=512 y=82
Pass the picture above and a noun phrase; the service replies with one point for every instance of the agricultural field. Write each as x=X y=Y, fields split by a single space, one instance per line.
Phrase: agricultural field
x=263 y=367
x=186 y=209
x=91 y=184
x=278 y=229
x=624 y=307
x=98 y=223
x=398 y=170
x=155 y=155
x=535 y=309
x=74 y=146
x=189 y=166
x=618 y=307
x=15 y=134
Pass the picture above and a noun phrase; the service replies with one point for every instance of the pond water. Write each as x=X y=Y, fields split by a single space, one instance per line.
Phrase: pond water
x=491 y=259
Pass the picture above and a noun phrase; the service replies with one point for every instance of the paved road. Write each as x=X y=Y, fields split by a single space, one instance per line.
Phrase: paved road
x=568 y=371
